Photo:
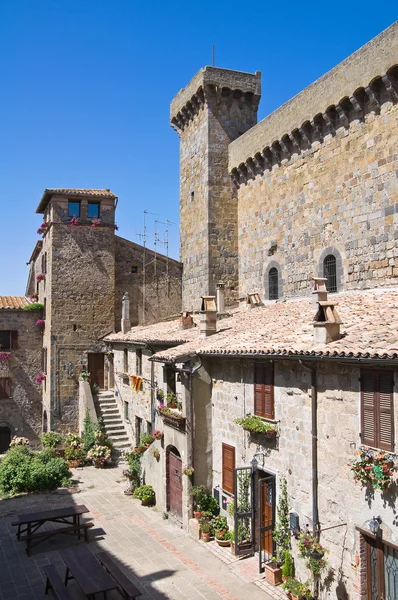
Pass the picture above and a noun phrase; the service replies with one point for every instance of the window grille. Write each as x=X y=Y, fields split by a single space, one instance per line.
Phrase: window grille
x=330 y=272
x=273 y=291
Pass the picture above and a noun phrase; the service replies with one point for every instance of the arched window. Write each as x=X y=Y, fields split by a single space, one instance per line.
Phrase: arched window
x=273 y=291
x=330 y=272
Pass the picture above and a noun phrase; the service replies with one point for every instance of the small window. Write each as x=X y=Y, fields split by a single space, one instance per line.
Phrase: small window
x=93 y=210
x=192 y=196
x=273 y=291
x=126 y=411
x=170 y=378
x=228 y=468
x=125 y=360
x=377 y=409
x=73 y=208
x=264 y=390
x=330 y=272
x=138 y=354
x=134 y=269
x=8 y=340
x=148 y=427
x=5 y=387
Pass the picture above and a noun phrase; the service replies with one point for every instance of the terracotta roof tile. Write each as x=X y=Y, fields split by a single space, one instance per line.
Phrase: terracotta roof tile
x=285 y=328
x=13 y=302
x=48 y=192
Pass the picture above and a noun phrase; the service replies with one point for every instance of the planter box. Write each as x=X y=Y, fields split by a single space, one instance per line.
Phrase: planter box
x=271 y=434
x=175 y=419
x=273 y=574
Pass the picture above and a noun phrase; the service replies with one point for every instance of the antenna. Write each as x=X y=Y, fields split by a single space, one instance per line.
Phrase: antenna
x=144 y=238
x=212 y=54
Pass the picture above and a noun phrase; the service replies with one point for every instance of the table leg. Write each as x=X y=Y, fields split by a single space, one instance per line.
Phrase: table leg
x=66 y=576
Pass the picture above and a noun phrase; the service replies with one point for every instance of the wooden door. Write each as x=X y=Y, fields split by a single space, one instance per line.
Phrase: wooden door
x=5 y=439
x=381 y=570
x=96 y=368
x=266 y=517
x=174 y=483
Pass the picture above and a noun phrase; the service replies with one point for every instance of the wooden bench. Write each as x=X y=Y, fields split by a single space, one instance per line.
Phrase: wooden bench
x=126 y=587
x=55 y=582
x=77 y=528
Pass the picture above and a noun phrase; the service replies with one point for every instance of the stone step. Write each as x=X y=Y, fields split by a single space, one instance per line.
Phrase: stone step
x=107 y=403
x=110 y=410
x=121 y=445
x=115 y=429
x=112 y=420
x=119 y=438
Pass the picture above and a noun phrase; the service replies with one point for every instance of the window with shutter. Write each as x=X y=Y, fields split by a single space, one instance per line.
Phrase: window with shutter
x=5 y=387
x=377 y=412
x=228 y=468
x=264 y=390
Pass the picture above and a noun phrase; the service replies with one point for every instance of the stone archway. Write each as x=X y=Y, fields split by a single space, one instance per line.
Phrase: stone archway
x=5 y=439
x=174 y=482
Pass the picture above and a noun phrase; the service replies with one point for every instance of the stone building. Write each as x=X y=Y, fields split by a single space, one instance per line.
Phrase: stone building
x=310 y=191
x=20 y=363
x=79 y=272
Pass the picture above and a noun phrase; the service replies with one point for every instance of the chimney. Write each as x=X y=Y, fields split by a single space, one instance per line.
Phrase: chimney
x=126 y=325
x=319 y=292
x=326 y=321
x=208 y=316
x=185 y=321
x=253 y=299
x=220 y=297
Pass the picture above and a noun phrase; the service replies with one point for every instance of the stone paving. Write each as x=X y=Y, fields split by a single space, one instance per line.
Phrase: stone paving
x=162 y=560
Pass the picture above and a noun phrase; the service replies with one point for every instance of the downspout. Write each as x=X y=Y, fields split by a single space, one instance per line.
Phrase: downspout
x=190 y=373
x=314 y=453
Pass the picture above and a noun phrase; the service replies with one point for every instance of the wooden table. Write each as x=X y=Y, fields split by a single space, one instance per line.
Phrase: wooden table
x=86 y=570
x=69 y=516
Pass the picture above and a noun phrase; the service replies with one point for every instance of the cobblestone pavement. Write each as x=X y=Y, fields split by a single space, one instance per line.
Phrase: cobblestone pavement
x=162 y=560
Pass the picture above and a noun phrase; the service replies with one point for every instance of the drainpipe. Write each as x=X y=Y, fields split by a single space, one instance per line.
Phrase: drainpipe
x=190 y=373
x=314 y=454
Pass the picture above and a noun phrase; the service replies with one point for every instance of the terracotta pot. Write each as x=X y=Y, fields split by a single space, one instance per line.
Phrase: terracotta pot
x=273 y=574
x=206 y=537
x=223 y=543
x=74 y=463
x=98 y=464
x=147 y=502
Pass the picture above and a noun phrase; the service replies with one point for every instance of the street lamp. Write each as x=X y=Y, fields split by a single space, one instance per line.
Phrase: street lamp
x=374 y=526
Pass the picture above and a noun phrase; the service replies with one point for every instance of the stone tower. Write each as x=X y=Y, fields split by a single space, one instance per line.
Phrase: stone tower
x=214 y=109
x=77 y=287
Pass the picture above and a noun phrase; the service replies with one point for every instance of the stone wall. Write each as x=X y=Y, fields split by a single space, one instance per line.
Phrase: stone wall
x=339 y=197
x=162 y=284
x=22 y=412
x=341 y=500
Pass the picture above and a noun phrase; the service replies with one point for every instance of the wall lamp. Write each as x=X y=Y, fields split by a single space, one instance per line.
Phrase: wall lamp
x=374 y=526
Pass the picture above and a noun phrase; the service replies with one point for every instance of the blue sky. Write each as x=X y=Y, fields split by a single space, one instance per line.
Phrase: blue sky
x=86 y=87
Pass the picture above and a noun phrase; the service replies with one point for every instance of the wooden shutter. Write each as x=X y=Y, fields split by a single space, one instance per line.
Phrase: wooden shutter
x=228 y=468
x=368 y=408
x=14 y=340
x=5 y=387
x=377 y=409
x=264 y=390
x=386 y=411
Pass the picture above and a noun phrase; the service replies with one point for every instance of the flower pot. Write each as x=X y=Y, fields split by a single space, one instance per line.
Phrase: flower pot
x=74 y=463
x=223 y=543
x=273 y=574
x=206 y=537
x=147 y=502
x=197 y=514
x=98 y=464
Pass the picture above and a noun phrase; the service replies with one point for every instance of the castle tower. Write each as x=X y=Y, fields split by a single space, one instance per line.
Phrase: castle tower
x=214 y=109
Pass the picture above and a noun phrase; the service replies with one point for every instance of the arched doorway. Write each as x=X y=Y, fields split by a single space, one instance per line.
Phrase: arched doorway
x=174 y=482
x=5 y=439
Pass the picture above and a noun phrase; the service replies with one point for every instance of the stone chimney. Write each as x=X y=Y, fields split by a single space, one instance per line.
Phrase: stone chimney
x=186 y=321
x=253 y=299
x=220 y=297
x=319 y=292
x=208 y=316
x=126 y=324
x=326 y=321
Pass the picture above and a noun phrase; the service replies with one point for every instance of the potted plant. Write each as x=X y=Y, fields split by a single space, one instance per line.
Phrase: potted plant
x=223 y=538
x=4 y=356
x=133 y=473
x=287 y=567
x=40 y=277
x=281 y=537
x=296 y=590
x=373 y=468
x=51 y=439
x=156 y=454
x=172 y=416
x=205 y=529
x=172 y=400
x=221 y=530
x=19 y=441
x=255 y=424
x=74 y=451
x=160 y=395
x=147 y=439
x=146 y=494
x=41 y=323
x=84 y=376
x=158 y=435
x=312 y=551
x=203 y=501
x=100 y=455
x=188 y=471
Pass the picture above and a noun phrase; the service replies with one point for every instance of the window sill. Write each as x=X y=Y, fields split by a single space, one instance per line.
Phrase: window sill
x=267 y=419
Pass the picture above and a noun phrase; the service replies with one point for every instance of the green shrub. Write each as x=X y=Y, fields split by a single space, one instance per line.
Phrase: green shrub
x=33 y=306
x=23 y=470
x=51 y=439
x=88 y=432
x=204 y=501
x=287 y=567
x=145 y=493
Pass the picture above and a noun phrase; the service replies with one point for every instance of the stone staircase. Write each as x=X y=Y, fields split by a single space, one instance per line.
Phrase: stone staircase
x=108 y=410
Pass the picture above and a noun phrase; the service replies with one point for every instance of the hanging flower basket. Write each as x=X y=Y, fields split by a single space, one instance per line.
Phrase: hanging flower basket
x=39 y=378
x=40 y=277
x=171 y=416
x=5 y=356
x=43 y=227
x=373 y=468
x=188 y=471
x=74 y=221
x=96 y=223
x=158 y=435
x=312 y=551
x=40 y=323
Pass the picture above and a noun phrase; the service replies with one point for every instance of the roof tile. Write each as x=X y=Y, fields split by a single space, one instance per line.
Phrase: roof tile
x=13 y=302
